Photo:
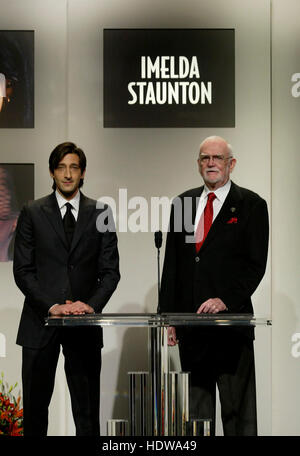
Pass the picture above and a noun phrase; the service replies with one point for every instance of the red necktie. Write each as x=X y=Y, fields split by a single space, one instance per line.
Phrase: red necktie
x=205 y=221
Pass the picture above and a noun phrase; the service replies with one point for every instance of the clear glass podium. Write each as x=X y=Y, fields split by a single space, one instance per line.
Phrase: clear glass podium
x=158 y=399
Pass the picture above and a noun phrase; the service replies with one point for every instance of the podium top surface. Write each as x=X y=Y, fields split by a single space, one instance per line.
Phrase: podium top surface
x=157 y=320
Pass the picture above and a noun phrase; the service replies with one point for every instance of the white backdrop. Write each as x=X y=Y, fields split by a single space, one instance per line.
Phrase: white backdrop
x=162 y=162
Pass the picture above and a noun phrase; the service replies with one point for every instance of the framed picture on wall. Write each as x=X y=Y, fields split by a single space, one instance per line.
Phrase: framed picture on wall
x=17 y=79
x=16 y=188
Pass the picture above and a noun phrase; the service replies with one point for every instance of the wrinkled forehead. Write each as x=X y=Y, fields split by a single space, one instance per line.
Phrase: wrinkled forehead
x=214 y=146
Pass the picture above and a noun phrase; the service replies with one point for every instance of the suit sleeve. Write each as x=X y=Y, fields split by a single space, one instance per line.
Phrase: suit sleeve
x=244 y=280
x=24 y=266
x=167 y=292
x=108 y=265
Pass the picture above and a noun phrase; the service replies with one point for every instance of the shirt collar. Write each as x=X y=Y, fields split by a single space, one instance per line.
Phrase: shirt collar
x=62 y=201
x=220 y=193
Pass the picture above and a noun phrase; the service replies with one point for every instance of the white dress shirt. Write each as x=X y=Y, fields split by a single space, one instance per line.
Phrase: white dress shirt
x=220 y=193
x=61 y=201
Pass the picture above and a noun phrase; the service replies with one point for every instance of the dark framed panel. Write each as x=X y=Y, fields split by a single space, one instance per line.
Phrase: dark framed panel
x=16 y=79
x=16 y=188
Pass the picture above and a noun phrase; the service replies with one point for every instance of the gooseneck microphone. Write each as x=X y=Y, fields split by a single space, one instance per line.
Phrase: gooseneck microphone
x=158 y=239
x=158 y=243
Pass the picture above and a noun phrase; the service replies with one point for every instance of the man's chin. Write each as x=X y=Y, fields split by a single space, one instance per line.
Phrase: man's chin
x=213 y=184
x=212 y=181
x=68 y=193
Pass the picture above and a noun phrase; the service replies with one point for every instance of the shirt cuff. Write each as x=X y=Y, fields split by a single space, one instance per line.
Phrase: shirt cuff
x=52 y=308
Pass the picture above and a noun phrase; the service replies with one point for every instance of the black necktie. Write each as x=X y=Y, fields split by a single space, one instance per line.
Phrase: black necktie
x=69 y=224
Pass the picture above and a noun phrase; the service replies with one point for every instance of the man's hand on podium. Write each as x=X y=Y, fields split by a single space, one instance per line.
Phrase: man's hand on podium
x=212 y=305
x=71 y=308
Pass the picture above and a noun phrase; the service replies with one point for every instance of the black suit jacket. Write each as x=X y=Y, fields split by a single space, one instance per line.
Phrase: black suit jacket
x=47 y=272
x=231 y=261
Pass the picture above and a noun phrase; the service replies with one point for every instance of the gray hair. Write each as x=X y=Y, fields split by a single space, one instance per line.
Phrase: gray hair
x=215 y=137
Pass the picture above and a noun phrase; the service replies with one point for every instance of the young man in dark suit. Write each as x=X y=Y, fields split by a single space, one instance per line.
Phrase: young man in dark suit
x=63 y=265
x=217 y=272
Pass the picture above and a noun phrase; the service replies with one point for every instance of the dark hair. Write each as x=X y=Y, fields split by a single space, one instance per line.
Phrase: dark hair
x=60 y=152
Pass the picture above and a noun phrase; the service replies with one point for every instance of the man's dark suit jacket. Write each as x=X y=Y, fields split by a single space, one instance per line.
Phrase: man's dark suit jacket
x=46 y=271
x=231 y=261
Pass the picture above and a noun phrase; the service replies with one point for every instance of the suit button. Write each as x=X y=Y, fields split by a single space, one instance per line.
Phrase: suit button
x=71 y=266
x=197 y=259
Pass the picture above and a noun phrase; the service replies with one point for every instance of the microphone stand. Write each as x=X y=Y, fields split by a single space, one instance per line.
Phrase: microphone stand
x=158 y=243
x=157 y=358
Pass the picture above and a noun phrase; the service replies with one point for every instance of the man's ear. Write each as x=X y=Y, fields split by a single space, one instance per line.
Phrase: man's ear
x=232 y=164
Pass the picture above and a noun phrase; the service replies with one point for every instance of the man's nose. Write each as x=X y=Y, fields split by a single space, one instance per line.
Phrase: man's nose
x=68 y=173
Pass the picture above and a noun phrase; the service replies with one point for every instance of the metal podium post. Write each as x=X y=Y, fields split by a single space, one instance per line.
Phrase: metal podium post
x=162 y=424
x=159 y=368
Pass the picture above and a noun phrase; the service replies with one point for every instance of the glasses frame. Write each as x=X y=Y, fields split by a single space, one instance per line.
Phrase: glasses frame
x=204 y=159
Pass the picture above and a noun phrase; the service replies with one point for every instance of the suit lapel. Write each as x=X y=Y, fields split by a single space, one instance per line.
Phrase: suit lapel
x=195 y=202
x=86 y=208
x=188 y=215
x=53 y=214
x=229 y=209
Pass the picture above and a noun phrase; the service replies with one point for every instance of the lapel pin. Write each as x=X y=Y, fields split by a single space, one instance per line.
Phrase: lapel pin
x=232 y=209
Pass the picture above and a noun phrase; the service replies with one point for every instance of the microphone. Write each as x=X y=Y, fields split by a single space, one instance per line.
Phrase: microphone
x=158 y=243
x=158 y=239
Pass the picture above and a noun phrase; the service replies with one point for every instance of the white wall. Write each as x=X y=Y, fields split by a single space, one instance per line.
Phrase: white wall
x=157 y=162
x=49 y=21
x=285 y=220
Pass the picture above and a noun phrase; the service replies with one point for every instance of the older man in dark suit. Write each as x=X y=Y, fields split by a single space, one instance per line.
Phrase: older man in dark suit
x=217 y=272
x=64 y=265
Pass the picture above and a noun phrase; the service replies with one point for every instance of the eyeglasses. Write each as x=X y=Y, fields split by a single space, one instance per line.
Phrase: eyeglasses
x=215 y=158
